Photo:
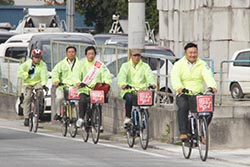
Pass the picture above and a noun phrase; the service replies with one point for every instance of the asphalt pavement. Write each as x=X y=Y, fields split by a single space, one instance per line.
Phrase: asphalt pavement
x=234 y=156
x=239 y=157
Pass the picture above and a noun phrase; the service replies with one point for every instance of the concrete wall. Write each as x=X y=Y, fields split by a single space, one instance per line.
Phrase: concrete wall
x=219 y=27
x=7 y=106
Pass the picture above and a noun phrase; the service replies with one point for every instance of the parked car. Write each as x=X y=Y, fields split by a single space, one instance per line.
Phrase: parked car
x=239 y=74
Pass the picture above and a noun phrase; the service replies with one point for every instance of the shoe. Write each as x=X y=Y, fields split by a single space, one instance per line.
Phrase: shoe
x=101 y=129
x=203 y=140
x=79 y=122
x=183 y=137
x=57 y=117
x=26 y=122
x=126 y=121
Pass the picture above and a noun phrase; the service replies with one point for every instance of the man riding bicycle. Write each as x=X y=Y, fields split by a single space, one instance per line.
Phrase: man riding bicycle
x=190 y=72
x=35 y=76
x=93 y=73
x=134 y=73
x=65 y=72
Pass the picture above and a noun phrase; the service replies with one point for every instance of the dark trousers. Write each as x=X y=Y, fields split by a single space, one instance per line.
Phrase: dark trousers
x=182 y=113
x=130 y=100
x=83 y=104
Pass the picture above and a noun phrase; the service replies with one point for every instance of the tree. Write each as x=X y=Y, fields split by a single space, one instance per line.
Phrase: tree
x=7 y=2
x=99 y=12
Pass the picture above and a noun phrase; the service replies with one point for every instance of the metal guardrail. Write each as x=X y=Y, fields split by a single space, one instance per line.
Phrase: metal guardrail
x=9 y=83
x=221 y=76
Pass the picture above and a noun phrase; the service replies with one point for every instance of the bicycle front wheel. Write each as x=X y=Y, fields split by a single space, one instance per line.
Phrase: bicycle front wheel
x=36 y=116
x=203 y=138
x=96 y=123
x=72 y=124
x=144 y=129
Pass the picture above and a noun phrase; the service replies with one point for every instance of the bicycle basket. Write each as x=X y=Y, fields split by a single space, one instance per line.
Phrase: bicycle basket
x=96 y=96
x=145 y=98
x=73 y=93
x=201 y=103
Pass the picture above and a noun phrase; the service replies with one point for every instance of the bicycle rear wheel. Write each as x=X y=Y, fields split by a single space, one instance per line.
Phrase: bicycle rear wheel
x=203 y=138
x=85 y=128
x=130 y=135
x=64 y=122
x=144 y=129
x=31 y=121
x=187 y=148
x=96 y=123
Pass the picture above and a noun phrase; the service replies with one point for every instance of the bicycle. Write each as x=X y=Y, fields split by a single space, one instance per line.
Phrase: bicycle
x=140 y=115
x=92 y=118
x=69 y=110
x=36 y=106
x=201 y=108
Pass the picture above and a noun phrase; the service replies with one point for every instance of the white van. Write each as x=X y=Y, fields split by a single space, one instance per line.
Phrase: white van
x=239 y=74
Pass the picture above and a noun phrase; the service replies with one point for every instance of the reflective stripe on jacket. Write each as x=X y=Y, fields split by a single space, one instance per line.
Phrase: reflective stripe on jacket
x=193 y=79
x=139 y=76
x=40 y=75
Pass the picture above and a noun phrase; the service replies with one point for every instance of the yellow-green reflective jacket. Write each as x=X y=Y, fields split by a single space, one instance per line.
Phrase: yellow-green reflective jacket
x=66 y=74
x=139 y=76
x=193 y=79
x=40 y=75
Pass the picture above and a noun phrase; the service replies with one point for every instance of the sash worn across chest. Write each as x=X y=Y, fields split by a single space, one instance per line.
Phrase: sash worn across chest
x=93 y=72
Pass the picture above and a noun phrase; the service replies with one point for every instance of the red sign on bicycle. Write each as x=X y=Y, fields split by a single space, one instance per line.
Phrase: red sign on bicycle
x=204 y=103
x=145 y=98
x=96 y=96
x=73 y=93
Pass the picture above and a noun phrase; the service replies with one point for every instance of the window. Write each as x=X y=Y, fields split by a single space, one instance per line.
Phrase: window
x=112 y=66
x=243 y=56
x=16 y=52
x=152 y=62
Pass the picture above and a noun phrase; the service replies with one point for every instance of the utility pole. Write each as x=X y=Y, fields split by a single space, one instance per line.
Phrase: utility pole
x=136 y=24
x=70 y=15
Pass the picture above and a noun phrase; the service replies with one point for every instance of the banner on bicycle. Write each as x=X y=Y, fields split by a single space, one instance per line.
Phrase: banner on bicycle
x=202 y=103
x=145 y=98
x=205 y=103
x=96 y=96
x=73 y=93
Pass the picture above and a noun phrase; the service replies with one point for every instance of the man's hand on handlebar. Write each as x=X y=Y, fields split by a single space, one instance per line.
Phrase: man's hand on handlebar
x=153 y=86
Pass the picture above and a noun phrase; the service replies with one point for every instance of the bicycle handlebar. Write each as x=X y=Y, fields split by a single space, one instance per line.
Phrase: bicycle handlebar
x=208 y=90
x=130 y=87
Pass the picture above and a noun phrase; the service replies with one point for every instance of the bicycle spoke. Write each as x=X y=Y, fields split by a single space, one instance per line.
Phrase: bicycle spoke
x=96 y=121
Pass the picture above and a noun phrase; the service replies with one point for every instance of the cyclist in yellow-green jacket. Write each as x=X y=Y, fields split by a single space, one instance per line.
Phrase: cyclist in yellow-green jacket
x=65 y=72
x=190 y=72
x=34 y=74
x=93 y=73
x=137 y=74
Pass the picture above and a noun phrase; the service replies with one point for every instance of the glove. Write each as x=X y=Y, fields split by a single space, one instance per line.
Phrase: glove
x=128 y=87
x=45 y=88
x=31 y=71
x=82 y=85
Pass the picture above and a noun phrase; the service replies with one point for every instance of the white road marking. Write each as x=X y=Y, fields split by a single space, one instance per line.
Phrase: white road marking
x=81 y=140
